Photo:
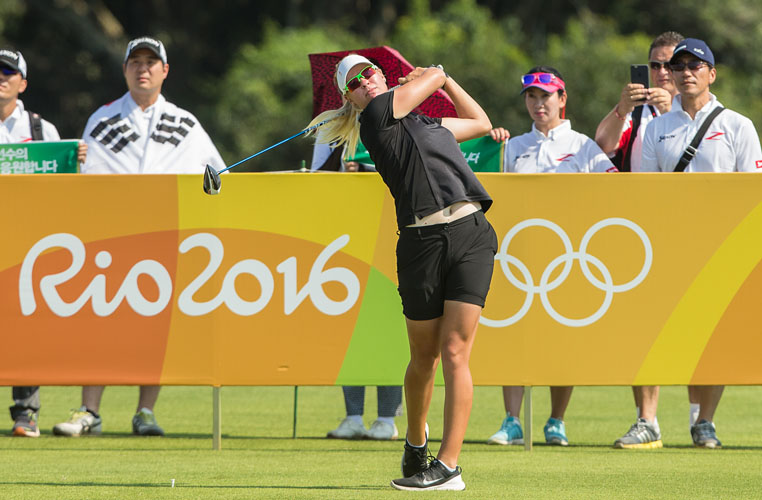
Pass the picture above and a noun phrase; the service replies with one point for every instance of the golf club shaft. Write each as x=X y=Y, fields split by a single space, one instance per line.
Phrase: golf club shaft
x=305 y=131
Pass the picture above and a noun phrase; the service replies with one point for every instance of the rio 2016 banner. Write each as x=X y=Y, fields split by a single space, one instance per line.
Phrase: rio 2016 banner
x=290 y=279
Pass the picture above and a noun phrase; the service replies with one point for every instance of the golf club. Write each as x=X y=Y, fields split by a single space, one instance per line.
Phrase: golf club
x=212 y=182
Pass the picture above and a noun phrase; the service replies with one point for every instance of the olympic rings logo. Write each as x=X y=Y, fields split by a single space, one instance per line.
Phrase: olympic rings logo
x=567 y=259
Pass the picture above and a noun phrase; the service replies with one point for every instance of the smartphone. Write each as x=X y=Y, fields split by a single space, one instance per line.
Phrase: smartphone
x=639 y=74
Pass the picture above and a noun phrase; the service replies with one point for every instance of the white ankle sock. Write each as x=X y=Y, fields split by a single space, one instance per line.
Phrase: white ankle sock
x=451 y=469
x=693 y=413
x=388 y=420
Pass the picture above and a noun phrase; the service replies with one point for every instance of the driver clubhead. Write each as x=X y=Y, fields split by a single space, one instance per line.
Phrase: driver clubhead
x=212 y=183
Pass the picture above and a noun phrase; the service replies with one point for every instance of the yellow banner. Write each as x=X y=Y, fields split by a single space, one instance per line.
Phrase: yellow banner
x=288 y=279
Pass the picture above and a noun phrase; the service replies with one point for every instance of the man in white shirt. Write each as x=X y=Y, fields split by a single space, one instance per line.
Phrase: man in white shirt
x=620 y=135
x=19 y=125
x=140 y=133
x=615 y=132
x=730 y=144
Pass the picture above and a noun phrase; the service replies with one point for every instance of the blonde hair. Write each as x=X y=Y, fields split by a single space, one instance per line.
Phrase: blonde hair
x=343 y=127
x=343 y=124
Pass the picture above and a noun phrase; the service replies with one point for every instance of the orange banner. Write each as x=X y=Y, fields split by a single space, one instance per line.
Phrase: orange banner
x=289 y=279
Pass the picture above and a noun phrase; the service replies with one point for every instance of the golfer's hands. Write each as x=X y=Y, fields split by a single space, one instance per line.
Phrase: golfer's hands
x=417 y=72
x=499 y=134
x=81 y=152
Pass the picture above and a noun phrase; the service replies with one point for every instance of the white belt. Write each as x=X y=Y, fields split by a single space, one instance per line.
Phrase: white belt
x=448 y=214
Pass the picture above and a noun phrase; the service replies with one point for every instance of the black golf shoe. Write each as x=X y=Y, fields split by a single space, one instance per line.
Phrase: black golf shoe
x=414 y=459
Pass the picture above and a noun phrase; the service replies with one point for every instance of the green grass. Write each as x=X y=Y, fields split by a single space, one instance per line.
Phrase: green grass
x=259 y=458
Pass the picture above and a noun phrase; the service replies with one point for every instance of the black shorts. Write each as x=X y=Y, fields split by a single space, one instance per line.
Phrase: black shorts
x=452 y=261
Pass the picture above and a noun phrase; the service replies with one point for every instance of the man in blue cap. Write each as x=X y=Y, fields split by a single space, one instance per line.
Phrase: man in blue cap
x=730 y=144
x=700 y=136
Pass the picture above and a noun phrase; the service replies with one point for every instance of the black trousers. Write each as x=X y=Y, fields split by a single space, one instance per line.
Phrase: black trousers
x=25 y=398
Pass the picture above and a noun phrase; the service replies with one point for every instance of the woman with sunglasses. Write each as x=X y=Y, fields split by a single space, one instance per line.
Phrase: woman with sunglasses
x=446 y=247
x=551 y=146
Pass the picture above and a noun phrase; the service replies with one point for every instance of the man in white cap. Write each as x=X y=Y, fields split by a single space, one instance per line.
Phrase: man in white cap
x=17 y=124
x=140 y=133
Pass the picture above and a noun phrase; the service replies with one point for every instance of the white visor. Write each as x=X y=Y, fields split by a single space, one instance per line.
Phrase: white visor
x=345 y=65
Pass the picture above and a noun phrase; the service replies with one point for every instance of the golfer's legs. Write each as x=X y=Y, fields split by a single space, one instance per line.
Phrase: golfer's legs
x=458 y=330
x=419 y=377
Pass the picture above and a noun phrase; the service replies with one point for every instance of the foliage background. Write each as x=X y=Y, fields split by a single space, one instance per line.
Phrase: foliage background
x=242 y=67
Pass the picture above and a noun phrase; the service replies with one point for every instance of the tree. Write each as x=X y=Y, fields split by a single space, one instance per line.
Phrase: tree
x=268 y=95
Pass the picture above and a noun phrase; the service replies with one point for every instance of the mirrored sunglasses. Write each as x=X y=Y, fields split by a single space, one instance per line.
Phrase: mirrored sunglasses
x=533 y=78
x=354 y=83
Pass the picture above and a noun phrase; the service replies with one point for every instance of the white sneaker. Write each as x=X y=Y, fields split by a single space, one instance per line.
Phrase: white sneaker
x=348 y=429
x=382 y=431
x=81 y=422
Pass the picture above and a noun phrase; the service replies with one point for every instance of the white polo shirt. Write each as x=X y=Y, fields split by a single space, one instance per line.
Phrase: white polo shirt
x=122 y=138
x=562 y=150
x=637 y=145
x=730 y=144
x=16 y=128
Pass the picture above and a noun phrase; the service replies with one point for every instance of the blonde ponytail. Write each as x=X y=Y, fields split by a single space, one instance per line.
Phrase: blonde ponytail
x=343 y=127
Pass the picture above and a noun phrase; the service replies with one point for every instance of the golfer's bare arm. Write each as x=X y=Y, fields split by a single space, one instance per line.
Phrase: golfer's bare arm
x=420 y=83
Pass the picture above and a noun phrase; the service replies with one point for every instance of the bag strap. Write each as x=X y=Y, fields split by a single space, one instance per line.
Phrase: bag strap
x=35 y=126
x=690 y=151
x=637 y=115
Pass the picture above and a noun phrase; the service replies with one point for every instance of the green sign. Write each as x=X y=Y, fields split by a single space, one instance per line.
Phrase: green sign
x=482 y=154
x=39 y=157
x=361 y=155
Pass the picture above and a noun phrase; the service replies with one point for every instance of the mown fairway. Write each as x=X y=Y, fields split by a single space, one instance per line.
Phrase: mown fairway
x=260 y=459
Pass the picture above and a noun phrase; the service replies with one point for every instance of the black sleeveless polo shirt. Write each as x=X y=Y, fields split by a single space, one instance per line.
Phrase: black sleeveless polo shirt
x=419 y=160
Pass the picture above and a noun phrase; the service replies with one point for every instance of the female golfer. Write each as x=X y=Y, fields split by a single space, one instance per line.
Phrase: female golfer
x=446 y=247
x=551 y=146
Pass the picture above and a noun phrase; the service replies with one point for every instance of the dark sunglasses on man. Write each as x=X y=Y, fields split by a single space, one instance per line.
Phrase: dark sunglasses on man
x=693 y=65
